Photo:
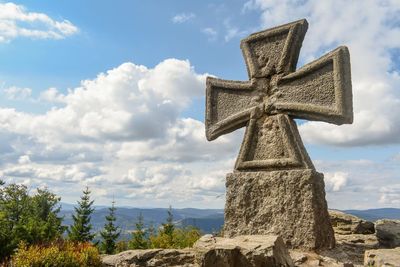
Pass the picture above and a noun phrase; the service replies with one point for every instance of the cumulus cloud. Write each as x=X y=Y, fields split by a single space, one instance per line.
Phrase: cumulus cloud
x=52 y=95
x=17 y=21
x=183 y=17
x=335 y=181
x=152 y=176
x=372 y=36
x=390 y=195
x=122 y=131
x=129 y=102
x=17 y=93
x=360 y=184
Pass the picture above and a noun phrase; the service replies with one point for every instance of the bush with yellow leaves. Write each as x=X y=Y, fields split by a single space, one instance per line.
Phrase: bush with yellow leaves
x=57 y=254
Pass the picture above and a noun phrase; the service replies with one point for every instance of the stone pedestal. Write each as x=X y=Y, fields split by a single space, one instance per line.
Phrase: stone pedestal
x=290 y=204
x=249 y=251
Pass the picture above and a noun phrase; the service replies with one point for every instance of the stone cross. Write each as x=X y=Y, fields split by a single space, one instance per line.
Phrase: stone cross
x=275 y=94
x=275 y=188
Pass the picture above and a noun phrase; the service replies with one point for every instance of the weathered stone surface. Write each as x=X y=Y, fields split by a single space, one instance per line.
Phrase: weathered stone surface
x=209 y=251
x=346 y=224
x=388 y=232
x=249 y=251
x=151 y=258
x=289 y=203
x=275 y=188
x=275 y=94
x=382 y=257
x=312 y=259
x=351 y=248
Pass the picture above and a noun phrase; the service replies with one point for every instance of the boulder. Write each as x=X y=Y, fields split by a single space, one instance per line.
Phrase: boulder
x=388 y=233
x=250 y=251
x=346 y=224
x=382 y=257
x=151 y=258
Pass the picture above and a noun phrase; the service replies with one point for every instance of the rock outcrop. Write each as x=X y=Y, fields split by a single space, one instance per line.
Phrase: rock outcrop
x=382 y=258
x=388 y=233
x=351 y=248
x=355 y=247
x=209 y=251
x=346 y=224
x=151 y=258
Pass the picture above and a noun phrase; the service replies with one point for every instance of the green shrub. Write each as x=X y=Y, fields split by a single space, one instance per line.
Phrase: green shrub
x=186 y=237
x=121 y=246
x=32 y=219
x=180 y=238
x=58 y=254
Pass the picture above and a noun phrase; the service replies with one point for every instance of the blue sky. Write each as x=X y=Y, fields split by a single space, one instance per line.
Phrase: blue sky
x=111 y=95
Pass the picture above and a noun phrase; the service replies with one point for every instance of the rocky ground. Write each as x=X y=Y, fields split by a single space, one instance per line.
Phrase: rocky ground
x=358 y=243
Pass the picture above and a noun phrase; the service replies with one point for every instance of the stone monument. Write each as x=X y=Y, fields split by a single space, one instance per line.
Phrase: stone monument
x=274 y=188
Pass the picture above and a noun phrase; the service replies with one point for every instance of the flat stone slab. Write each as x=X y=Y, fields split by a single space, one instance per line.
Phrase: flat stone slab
x=151 y=258
x=209 y=251
x=382 y=257
x=312 y=259
x=249 y=251
x=290 y=204
x=351 y=248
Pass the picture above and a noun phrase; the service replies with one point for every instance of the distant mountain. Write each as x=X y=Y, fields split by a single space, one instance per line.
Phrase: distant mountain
x=210 y=224
x=376 y=214
x=68 y=206
x=207 y=220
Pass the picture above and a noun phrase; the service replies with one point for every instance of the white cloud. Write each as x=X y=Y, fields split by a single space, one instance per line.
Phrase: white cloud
x=122 y=131
x=52 y=95
x=390 y=195
x=233 y=31
x=183 y=17
x=371 y=31
x=335 y=181
x=17 y=93
x=24 y=159
x=16 y=21
x=210 y=32
x=211 y=182
x=360 y=184
x=129 y=102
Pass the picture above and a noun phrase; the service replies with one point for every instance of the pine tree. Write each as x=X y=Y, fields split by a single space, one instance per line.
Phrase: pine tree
x=31 y=219
x=169 y=227
x=80 y=230
x=139 y=236
x=110 y=232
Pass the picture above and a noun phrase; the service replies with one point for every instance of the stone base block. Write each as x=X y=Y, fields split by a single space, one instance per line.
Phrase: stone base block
x=290 y=204
x=249 y=251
